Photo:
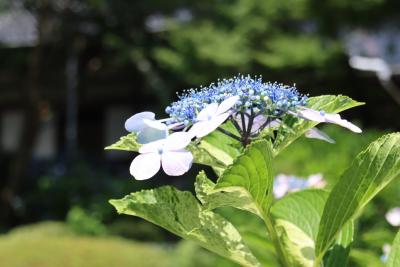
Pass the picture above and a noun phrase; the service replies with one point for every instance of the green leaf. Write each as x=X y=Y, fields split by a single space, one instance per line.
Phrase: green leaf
x=339 y=254
x=394 y=256
x=296 y=127
x=212 y=198
x=297 y=218
x=249 y=178
x=127 y=143
x=180 y=213
x=369 y=173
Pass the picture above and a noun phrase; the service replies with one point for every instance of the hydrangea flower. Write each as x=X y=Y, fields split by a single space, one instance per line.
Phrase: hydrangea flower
x=168 y=153
x=212 y=116
x=146 y=127
x=249 y=103
x=284 y=184
x=268 y=98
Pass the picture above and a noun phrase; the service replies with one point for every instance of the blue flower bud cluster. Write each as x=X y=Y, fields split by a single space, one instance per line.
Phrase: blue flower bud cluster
x=263 y=97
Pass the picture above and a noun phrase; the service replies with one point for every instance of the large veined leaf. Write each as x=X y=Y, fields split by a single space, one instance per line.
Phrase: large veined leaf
x=253 y=232
x=212 y=198
x=246 y=184
x=180 y=213
x=252 y=173
x=394 y=256
x=297 y=127
x=369 y=173
x=338 y=255
x=297 y=215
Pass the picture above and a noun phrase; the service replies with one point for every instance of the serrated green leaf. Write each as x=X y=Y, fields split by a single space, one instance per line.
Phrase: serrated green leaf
x=394 y=256
x=339 y=254
x=297 y=127
x=127 y=143
x=212 y=198
x=297 y=215
x=251 y=176
x=180 y=213
x=369 y=173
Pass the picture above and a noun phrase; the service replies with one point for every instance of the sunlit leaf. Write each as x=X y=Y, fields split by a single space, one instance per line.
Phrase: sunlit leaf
x=394 y=256
x=127 y=143
x=246 y=184
x=180 y=213
x=214 y=198
x=297 y=215
x=369 y=173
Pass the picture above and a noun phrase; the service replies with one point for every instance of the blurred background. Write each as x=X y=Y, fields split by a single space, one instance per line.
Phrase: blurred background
x=71 y=73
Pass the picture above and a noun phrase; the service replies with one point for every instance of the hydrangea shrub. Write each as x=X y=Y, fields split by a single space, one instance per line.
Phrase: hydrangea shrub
x=237 y=127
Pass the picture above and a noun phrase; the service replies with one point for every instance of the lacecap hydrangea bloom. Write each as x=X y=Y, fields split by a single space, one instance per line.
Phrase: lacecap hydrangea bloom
x=249 y=103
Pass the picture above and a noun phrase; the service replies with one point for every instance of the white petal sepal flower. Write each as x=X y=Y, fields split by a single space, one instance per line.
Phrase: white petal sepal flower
x=318 y=116
x=146 y=127
x=393 y=216
x=315 y=133
x=168 y=153
x=136 y=122
x=212 y=116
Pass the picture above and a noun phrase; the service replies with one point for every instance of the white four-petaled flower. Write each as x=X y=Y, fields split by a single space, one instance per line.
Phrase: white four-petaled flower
x=168 y=153
x=212 y=116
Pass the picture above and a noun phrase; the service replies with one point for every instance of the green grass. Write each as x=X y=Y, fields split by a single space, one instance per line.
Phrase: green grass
x=51 y=244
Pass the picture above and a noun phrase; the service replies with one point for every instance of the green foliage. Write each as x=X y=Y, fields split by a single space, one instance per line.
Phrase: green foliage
x=308 y=228
x=127 y=143
x=298 y=216
x=84 y=223
x=246 y=184
x=370 y=172
x=280 y=53
x=394 y=256
x=180 y=213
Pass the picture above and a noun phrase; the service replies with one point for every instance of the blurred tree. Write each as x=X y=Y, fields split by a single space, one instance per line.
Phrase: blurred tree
x=160 y=47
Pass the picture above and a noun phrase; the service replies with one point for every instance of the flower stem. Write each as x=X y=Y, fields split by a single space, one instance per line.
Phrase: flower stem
x=229 y=134
x=282 y=257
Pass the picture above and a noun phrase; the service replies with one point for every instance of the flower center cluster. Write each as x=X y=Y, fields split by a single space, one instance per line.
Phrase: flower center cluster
x=263 y=97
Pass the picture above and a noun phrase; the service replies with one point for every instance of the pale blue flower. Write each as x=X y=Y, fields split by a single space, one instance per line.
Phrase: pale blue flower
x=284 y=184
x=168 y=153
